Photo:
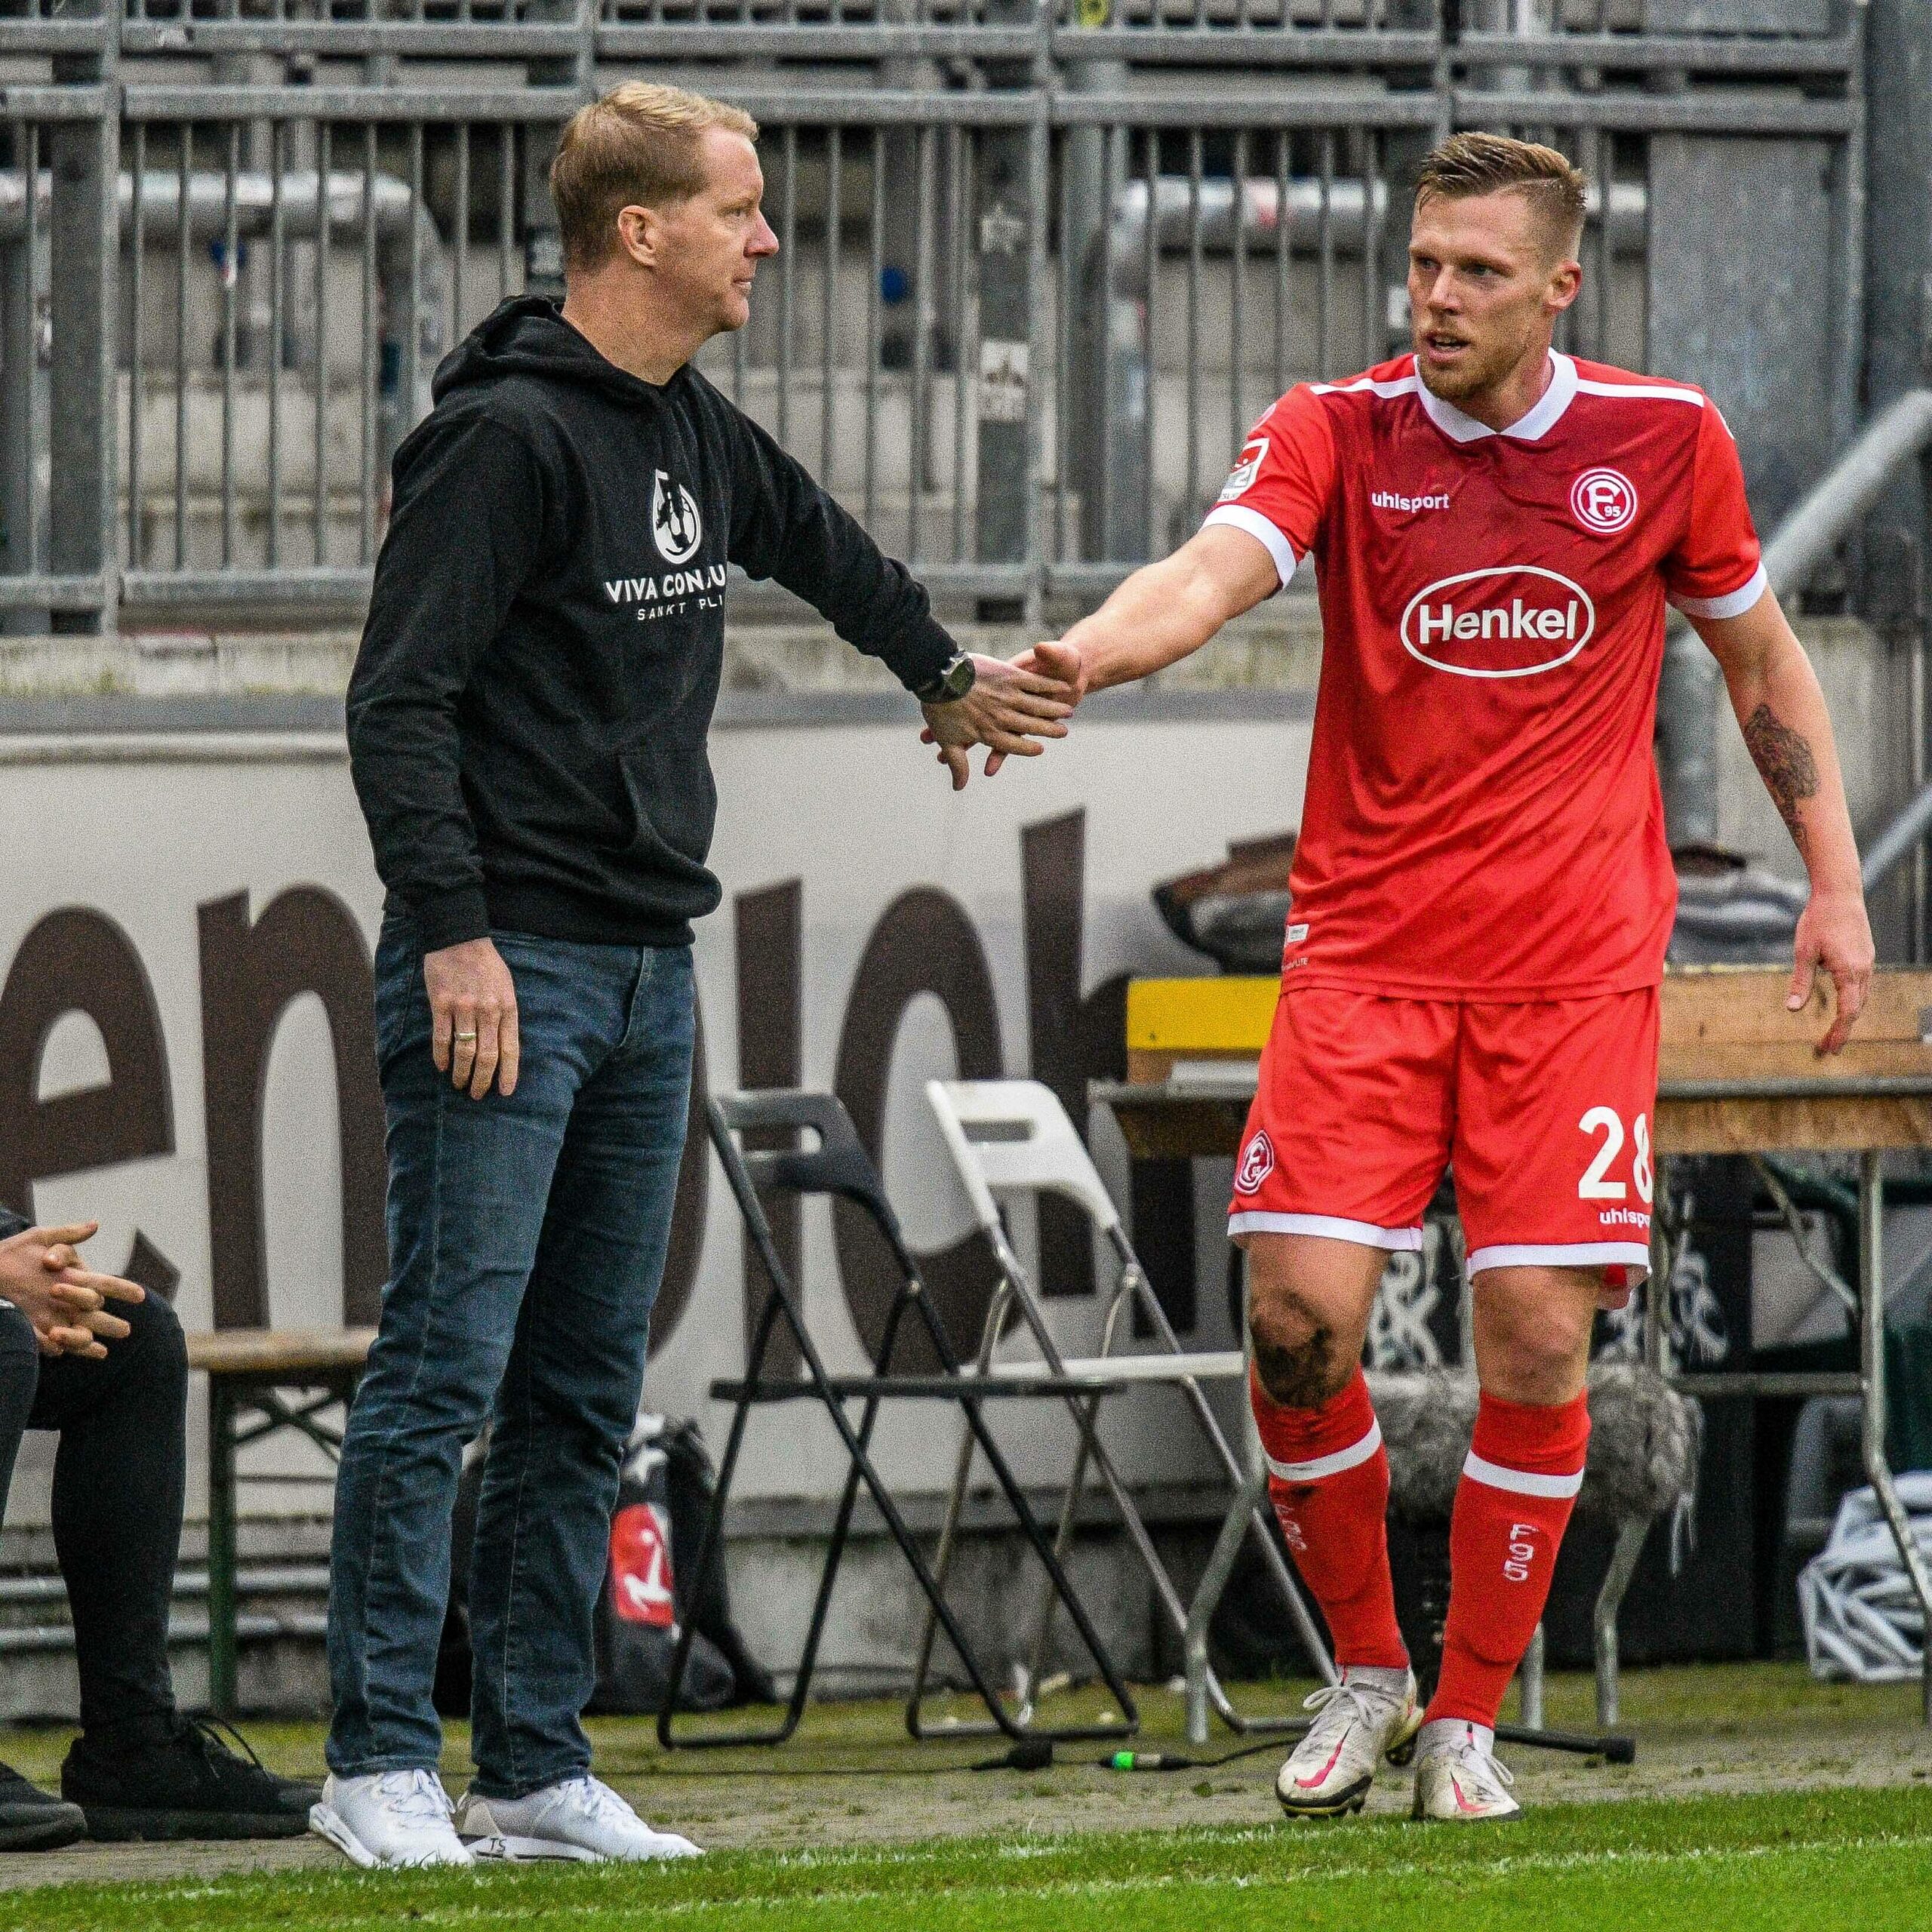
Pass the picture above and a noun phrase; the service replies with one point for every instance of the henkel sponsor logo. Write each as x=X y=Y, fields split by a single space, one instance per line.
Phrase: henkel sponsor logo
x=1604 y=501
x=1512 y=621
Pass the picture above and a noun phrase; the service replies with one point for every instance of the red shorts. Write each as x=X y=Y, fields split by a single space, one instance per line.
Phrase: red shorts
x=1542 y=1109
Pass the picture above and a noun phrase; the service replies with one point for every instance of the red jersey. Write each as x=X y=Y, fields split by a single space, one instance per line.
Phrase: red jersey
x=1483 y=818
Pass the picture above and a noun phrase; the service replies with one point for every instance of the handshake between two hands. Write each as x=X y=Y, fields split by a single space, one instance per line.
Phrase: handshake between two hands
x=1012 y=707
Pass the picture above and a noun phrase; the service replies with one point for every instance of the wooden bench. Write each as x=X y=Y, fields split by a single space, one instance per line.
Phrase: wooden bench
x=261 y=1381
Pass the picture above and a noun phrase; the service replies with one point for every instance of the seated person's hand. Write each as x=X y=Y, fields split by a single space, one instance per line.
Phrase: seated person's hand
x=41 y=1273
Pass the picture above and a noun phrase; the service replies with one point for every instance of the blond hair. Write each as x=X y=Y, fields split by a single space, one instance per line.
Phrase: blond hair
x=1474 y=164
x=636 y=147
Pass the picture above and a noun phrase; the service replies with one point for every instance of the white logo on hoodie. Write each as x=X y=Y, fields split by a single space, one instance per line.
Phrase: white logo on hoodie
x=674 y=522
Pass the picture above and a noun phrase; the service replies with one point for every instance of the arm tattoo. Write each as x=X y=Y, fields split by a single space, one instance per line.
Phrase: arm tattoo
x=1783 y=757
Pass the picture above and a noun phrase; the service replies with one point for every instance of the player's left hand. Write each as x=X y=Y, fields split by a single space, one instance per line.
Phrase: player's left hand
x=1010 y=709
x=1833 y=937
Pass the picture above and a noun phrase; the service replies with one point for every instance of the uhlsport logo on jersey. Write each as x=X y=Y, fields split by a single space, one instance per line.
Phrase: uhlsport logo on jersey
x=1240 y=478
x=674 y=522
x=1512 y=621
x=1604 y=501
x=1257 y=1163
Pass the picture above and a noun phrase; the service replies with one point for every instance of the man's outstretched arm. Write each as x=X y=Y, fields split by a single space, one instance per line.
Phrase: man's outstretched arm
x=1788 y=732
x=1162 y=614
x=787 y=526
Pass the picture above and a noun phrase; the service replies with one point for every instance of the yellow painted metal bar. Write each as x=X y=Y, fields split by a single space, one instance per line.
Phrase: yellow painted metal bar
x=1211 y=1014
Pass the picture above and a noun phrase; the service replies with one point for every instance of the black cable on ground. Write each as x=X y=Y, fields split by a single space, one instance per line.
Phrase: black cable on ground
x=1028 y=1754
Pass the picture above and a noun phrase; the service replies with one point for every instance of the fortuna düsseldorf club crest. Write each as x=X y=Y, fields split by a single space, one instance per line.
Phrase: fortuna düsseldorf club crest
x=1604 y=501
x=1257 y=1163
x=674 y=522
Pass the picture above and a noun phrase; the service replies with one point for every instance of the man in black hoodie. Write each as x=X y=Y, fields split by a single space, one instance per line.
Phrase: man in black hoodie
x=526 y=724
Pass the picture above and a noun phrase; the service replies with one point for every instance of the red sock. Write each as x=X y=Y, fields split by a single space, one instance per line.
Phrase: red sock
x=1525 y=1468
x=1328 y=1480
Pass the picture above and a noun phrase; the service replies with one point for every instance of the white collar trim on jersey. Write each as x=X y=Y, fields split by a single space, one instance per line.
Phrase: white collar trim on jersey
x=1528 y=428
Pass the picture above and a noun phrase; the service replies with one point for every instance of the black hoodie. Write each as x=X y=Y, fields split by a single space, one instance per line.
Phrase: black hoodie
x=528 y=711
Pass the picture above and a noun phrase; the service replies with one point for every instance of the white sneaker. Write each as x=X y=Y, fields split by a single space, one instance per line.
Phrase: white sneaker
x=1370 y=1714
x=1457 y=1776
x=389 y=1819
x=581 y=1818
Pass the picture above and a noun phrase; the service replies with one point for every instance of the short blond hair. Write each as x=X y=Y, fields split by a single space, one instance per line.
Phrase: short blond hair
x=636 y=147
x=1468 y=164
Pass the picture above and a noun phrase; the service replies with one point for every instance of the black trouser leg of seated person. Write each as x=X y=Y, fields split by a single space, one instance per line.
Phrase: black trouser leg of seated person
x=139 y=1770
x=31 y=1820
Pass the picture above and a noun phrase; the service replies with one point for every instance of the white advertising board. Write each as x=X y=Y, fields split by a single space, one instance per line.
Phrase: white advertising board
x=185 y=931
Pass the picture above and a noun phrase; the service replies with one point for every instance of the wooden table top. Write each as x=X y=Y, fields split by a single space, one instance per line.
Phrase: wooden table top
x=270 y=1351
x=1737 y=1073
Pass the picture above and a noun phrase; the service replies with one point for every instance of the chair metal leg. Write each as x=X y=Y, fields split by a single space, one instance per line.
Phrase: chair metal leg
x=1131 y=1517
x=1134 y=1281
x=1063 y=1534
x=1036 y=1664
x=980 y=1436
x=955 y=1503
x=711 y=1550
x=1208 y=1598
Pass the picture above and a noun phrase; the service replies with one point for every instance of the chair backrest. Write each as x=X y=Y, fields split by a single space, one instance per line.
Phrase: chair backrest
x=838 y=1164
x=1013 y=1137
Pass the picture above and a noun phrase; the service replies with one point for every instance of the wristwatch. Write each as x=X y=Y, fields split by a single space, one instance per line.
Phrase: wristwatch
x=953 y=680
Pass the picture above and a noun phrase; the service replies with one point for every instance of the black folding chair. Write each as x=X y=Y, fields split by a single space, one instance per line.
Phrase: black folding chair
x=839 y=1165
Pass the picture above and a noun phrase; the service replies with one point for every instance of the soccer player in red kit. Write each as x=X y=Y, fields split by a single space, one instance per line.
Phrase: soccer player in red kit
x=1482 y=897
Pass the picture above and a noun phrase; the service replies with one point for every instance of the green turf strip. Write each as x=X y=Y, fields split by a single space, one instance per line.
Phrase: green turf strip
x=1861 y=1861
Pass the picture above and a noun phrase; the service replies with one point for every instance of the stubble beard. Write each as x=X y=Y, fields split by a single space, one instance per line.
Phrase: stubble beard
x=1472 y=374
x=1476 y=373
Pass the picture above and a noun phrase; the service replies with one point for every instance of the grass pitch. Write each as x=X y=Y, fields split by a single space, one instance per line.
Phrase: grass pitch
x=1759 y=1800
x=1861 y=1861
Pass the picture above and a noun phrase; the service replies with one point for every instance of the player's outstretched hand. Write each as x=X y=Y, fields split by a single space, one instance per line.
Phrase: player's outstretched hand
x=1833 y=937
x=1010 y=709
x=1056 y=659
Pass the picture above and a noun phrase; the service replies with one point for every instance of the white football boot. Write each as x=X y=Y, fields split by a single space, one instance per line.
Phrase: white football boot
x=1457 y=1776
x=580 y=1818
x=1369 y=1716
x=389 y=1819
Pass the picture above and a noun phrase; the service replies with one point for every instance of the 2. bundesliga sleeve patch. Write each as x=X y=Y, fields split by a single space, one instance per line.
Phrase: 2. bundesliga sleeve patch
x=1257 y=1163
x=1240 y=478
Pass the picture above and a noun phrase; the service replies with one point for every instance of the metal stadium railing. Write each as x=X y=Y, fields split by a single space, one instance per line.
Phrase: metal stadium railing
x=1042 y=265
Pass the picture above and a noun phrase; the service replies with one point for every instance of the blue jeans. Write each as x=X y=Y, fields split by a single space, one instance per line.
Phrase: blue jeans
x=527 y=1239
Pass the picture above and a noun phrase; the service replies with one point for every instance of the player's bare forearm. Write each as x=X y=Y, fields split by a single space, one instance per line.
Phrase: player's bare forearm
x=1167 y=611
x=1788 y=731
